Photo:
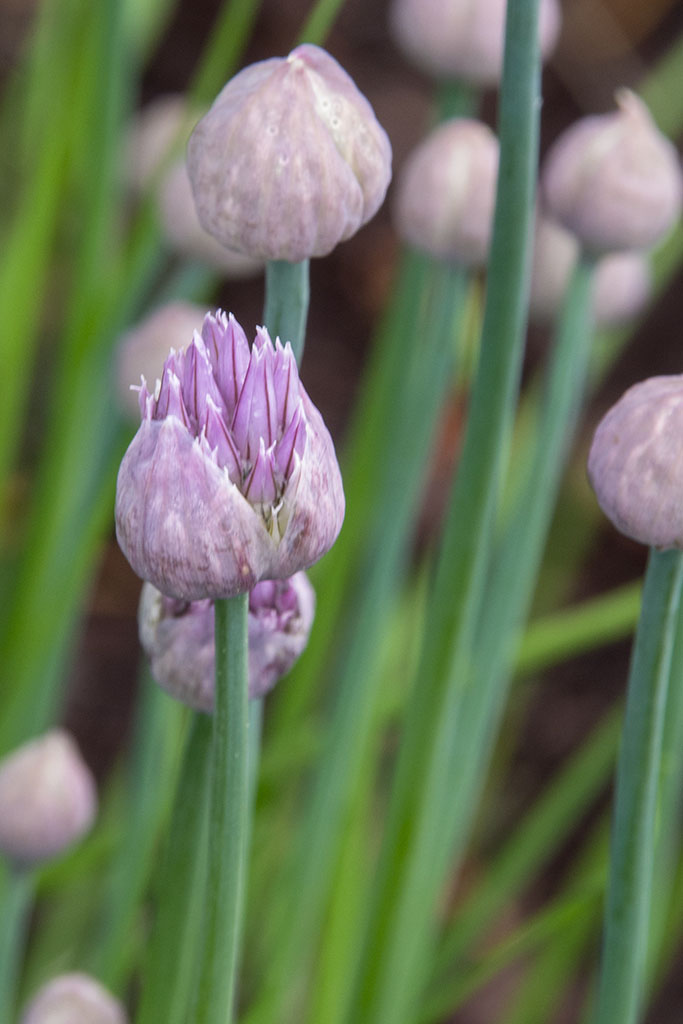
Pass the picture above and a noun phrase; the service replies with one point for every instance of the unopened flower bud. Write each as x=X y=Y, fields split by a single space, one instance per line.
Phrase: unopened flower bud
x=614 y=180
x=463 y=39
x=74 y=999
x=634 y=464
x=178 y=638
x=142 y=351
x=622 y=288
x=153 y=138
x=47 y=799
x=621 y=284
x=290 y=160
x=232 y=476
x=447 y=191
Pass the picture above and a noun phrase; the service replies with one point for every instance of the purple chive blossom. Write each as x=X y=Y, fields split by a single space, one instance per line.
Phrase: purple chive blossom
x=178 y=638
x=232 y=477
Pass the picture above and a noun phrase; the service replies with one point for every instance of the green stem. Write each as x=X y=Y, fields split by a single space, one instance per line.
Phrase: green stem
x=17 y=896
x=286 y=305
x=320 y=21
x=169 y=973
x=228 y=815
x=227 y=39
x=415 y=851
x=638 y=778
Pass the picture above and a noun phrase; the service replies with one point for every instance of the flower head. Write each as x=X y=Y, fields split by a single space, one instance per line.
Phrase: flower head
x=74 y=999
x=290 y=160
x=614 y=180
x=635 y=463
x=232 y=477
x=463 y=39
x=447 y=191
x=47 y=799
x=178 y=638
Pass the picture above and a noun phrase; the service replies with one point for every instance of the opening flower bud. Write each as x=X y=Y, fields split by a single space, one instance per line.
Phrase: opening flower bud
x=74 y=999
x=47 y=799
x=462 y=39
x=290 y=160
x=635 y=465
x=447 y=191
x=232 y=476
x=614 y=180
x=178 y=638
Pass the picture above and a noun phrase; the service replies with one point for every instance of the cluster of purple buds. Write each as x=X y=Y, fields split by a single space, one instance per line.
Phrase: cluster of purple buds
x=232 y=477
x=178 y=638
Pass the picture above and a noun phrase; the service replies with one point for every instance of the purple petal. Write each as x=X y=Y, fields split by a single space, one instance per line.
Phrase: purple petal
x=260 y=487
x=219 y=440
x=286 y=379
x=228 y=350
x=170 y=400
x=293 y=442
x=197 y=380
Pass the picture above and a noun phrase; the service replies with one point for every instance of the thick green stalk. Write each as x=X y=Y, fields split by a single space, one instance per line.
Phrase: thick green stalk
x=170 y=970
x=17 y=893
x=286 y=305
x=415 y=855
x=627 y=913
x=228 y=816
x=320 y=21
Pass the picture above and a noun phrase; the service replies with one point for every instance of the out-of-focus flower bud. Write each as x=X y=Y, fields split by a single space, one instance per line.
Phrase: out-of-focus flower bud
x=614 y=180
x=143 y=350
x=74 y=999
x=149 y=162
x=634 y=464
x=446 y=192
x=47 y=799
x=621 y=285
x=463 y=39
x=178 y=638
x=290 y=160
x=622 y=288
x=232 y=477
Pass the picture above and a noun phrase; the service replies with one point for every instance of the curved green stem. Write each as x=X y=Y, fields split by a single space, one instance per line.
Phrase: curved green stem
x=639 y=772
x=228 y=816
x=286 y=305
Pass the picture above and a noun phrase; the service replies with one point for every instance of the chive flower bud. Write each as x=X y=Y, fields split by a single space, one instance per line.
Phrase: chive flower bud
x=47 y=799
x=232 y=476
x=178 y=638
x=614 y=180
x=74 y=999
x=463 y=39
x=142 y=350
x=635 y=465
x=447 y=191
x=152 y=162
x=621 y=284
x=290 y=160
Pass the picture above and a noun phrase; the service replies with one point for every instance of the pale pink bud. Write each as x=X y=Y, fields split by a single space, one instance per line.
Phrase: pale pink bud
x=614 y=180
x=47 y=799
x=621 y=284
x=232 y=477
x=178 y=638
x=74 y=999
x=463 y=39
x=635 y=464
x=446 y=192
x=143 y=349
x=290 y=160
x=622 y=288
